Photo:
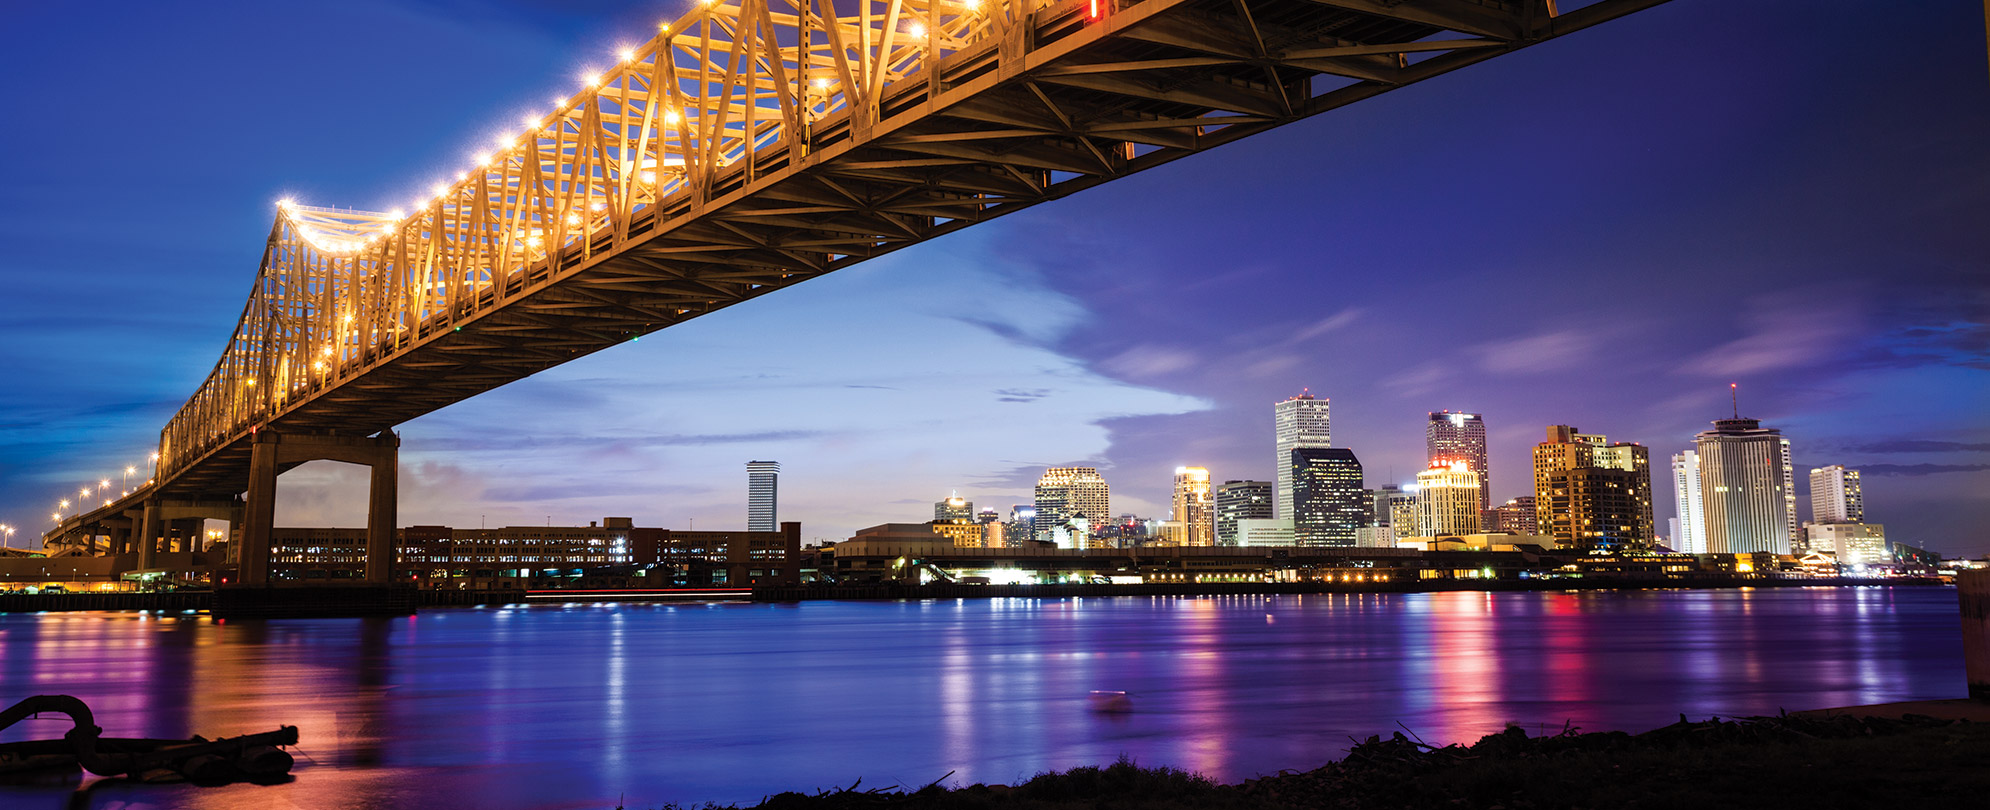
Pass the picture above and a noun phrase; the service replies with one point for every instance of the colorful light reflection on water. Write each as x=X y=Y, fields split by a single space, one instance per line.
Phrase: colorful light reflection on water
x=588 y=706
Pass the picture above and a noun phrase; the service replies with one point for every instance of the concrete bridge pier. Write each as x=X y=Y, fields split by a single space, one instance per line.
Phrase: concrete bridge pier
x=272 y=452
x=147 y=537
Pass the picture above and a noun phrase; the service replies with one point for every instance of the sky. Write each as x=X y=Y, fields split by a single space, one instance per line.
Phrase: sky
x=1603 y=231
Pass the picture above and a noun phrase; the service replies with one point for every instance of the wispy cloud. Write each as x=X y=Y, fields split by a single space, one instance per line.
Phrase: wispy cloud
x=1782 y=334
x=1914 y=470
x=1534 y=354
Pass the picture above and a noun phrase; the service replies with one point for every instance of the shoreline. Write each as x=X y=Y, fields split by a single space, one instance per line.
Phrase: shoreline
x=202 y=601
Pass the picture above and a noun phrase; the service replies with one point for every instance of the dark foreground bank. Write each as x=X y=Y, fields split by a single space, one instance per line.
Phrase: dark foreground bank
x=1760 y=762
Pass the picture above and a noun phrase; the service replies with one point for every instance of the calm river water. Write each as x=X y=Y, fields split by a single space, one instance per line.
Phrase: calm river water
x=591 y=706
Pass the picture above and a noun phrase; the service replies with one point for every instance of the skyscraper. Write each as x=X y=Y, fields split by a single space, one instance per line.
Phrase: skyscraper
x=1836 y=496
x=1065 y=493
x=762 y=480
x=1591 y=494
x=1326 y=497
x=1747 y=492
x=1689 y=529
x=954 y=507
x=1452 y=437
x=1240 y=500
x=1193 y=506
x=1300 y=423
x=1447 y=500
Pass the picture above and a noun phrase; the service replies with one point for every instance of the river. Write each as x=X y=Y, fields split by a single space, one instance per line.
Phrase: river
x=591 y=706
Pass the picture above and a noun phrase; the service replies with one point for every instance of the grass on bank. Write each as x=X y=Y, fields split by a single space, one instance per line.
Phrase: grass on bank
x=1757 y=763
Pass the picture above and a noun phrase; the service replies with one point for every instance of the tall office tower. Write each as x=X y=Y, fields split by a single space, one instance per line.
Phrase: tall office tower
x=1193 y=505
x=1452 y=437
x=1064 y=493
x=1591 y=494
x=1517 y=515
x=1747 y=493
x=1240 y=500
x=1447 y=500
x=1835 y=495
x=1405 y=516
x=987 y=516
x=762 y=478
x=953 y=508
x=1326 y=497
x=1689 y=529
x=1301 y=423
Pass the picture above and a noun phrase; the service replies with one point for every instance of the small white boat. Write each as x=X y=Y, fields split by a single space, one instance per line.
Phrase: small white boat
x=1107 y=702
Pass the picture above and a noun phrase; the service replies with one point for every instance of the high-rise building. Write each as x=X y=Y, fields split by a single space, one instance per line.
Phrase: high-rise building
x=1590 y=494
x=1689 y=529
x=1836 y=496
x=1300 y=423
x=1747 y=492
x=953 y=508
x=1194 y=508
x=1240 y=500
x=1517 y=516
x=1451 y=436
x=1447 y=500
x=1065 y=493
x=762 y=481
x=1326 y=497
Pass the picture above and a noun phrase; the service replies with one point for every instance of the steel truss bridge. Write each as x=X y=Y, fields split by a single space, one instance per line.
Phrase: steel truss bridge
x=747 y=147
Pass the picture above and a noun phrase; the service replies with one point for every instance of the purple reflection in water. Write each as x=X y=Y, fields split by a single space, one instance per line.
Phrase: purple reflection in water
x=557 y=707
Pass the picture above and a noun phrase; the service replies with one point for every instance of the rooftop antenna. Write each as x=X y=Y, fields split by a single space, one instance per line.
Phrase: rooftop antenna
x=1734 y=399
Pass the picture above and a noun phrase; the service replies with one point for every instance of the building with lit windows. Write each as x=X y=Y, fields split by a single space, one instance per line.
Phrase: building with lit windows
x=963 y=533
x=1590 y=494
x=1299 y=423
x=953 y=507
x=1447 y=500
x=762 y=483
x=1689 y=527
x=1065 y=493
x=1452 y=436
x=1326 y=497
x=1516 y=516
x=1852 y=543
x=1194 y=508
x=1747 y=496
x=610 y=553
x=1240 y=500
x=1836 y=495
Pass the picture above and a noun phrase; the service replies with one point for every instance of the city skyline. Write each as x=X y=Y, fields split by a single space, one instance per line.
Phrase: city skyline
x=990 y=355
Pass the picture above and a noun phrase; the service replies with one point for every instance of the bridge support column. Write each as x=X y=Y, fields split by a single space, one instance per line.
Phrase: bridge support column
x=272 y=451
x=381 y=501
x=147 y=536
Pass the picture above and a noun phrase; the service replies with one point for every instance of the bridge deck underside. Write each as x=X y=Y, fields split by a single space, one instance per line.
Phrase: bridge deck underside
x=1004 y=127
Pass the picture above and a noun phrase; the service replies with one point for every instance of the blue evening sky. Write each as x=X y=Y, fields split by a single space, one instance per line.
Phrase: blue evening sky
x=1601 y=231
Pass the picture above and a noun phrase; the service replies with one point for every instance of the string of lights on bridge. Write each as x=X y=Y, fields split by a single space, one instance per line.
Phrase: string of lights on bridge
x=591 y=81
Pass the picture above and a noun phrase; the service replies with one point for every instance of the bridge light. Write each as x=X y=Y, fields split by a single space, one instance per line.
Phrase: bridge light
x=397 y=214
x=592 y=79
x=286 y=203
x=919 y=31
x=627 y=54
x=671 y=117
x=439 y=189
x=972 y=5
x=822 y=84
x=1095 y=9
x=649 y=178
